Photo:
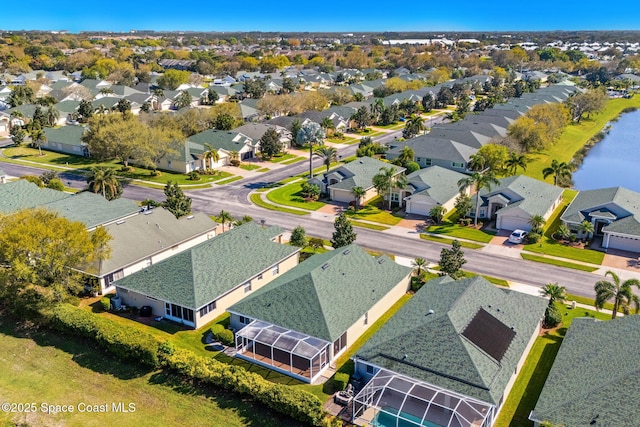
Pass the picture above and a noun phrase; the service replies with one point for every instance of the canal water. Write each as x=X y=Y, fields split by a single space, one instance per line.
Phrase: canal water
x=614 y=161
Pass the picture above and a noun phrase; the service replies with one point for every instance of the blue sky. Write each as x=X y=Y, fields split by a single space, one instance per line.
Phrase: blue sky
x=328 y=15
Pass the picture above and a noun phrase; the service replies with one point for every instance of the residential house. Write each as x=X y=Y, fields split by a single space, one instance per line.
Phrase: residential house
x=147 y=238
x=66 y=139
x=359 y=173
x=255 y=131
x=593 y=376
x=434 y=151
x=200 y=283
x=430 y=187
x=303 y=320
x=448 y=357
x=614 y=213
x=516 y=200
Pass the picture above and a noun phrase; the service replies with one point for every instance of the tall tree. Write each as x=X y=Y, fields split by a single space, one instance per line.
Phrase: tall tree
x=312 y=134
x=413 y=127
x=406 y=155
x=328 y=154
x=51 y=116
x=516 y=161
x=45 y=253
x=452 y=260
x=358 y=193
x=270 y=144
x=298 y=237
x=463 y=205
x=621 y=293
x=343 y=234
x=559 y=170
x=478 y=181
x=210 y=156
x=183 y=100
x=224 y=121
x=554 y=292
x=437 y=213
x=103 y=180
x=17 y=135
x=225 y=218
x=419 y=265
x=38 y=136
x=176 y=203
x=387 y=179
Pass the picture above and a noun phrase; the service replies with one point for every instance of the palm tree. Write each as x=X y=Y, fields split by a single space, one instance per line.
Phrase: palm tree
x=406 y=155
x=38 y=137
x=103 y=179
x=387 y=179
x=554 y=292
x=558 y=170
x=621 y=293
x=328 y=154
x=477 y=162
x=52 y=115
x=413 y=127
x=516 y=161
x=234 y=157
x=377 y=108
x=586 y=227
x=537 y=222
x=210 y=156
x=420 y=265
x=328 y=125
x=358 y=194
x=563 y=232
x=479 y=181
x=225 y=218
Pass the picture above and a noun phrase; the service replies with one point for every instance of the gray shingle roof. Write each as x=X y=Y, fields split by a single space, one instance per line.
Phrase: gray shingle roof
x=199 y=275
x=360 y=173
x=222 y=139
x=437 y=352
x=146 y=234
x=534 y=197
x=435 y=148
x=71 y=135
x=326 y=294
x=594 y=376
x=593 y=200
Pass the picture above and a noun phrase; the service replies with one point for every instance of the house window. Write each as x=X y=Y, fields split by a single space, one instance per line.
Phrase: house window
x=418 y=159
x=169 y=164
x=395 y=197
x=244 y=320
x=260 y=276
x=167 y=308
x=339 y=344
x=457 y=165
x=148 y=262
x=113 y=277
x=427 y=162
x=276 y=270
x=151 y=298
x=366 y=318
x=207 y=308
x=247 y=287
x=369 y=369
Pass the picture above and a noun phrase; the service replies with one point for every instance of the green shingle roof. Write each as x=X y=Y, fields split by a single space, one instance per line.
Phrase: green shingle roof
x=199 y=275
x=22 y=194
x=429 y=346
x=146 y=234
x=326 y=294
x=88 y=208
x=435 y=148
x=221 y=139
x=71 y=135
x=594 y=376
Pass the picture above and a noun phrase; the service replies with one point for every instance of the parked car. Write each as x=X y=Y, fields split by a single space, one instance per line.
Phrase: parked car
x=517 y=236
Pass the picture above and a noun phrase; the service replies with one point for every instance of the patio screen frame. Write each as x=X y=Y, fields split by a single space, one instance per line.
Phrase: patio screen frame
x=285 y=347
x=411 y=393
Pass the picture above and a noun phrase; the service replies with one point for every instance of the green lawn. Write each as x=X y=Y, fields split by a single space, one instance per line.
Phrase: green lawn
x=294 y=160
x=256 y=199
x=289 y=195
x=263 y=170
x=527 y=388
x=590 y=301
x=447 y=241
x=369 y=226
x=372 y=213
x=549 y=246
x=576 y=135
x=557 y=262
x=249 y=166
x=281 y=158
x=44 y=367
x=230 y=180
x=460 y=232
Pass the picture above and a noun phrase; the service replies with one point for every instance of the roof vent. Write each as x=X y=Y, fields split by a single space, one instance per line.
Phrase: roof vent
x=190 y=217
x=120 y=222
x=430 y=311
x=381 y=261
x=148 y=212
x=346 y=251
x=325 y=266
x=405 y=357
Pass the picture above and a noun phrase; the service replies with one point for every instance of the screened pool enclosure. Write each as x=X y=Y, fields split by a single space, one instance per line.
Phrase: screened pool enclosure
x=393 y=400
x=282 y=349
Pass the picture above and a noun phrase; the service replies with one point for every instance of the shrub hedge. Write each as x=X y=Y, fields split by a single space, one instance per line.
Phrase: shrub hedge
x=340 y=380
x=123 y=343
x=299 y=405
x=225 y=336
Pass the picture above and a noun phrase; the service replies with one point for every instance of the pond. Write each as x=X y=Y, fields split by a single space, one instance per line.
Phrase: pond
x=614 y=161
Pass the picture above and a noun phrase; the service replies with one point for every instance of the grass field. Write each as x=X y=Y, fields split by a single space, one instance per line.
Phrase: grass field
x=455 y=230
x=553 y=261
x=447 y=241
x=289 y=195
x=45 y=368
x=369 y=226
x=256 y=199
x=370 y=212
x=532 y=376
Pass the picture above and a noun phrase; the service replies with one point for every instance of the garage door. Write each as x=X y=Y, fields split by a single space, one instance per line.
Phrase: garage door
x=513 y=223
x=624 y=243
x=418 y=208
